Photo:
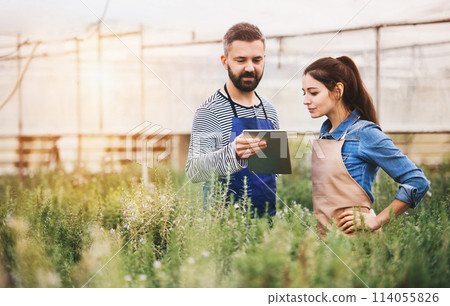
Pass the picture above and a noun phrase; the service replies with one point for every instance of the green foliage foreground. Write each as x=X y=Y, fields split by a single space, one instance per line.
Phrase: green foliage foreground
x=111 y=231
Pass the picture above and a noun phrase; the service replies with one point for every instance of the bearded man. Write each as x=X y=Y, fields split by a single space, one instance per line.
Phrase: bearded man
x=217 y=143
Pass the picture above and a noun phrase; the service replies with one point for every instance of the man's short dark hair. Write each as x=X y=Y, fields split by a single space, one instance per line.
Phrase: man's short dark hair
x=242 y=31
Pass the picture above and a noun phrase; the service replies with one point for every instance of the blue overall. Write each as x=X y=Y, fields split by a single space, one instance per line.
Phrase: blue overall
x=261 y=188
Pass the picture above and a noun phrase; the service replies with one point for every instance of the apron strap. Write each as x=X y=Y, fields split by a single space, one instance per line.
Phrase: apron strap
x=342 y=137
x=234 y=108
x=345 y=134
x=231 y=101
x=262 y=104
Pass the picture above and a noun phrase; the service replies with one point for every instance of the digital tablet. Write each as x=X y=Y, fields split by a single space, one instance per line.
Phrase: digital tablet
x=275 y=158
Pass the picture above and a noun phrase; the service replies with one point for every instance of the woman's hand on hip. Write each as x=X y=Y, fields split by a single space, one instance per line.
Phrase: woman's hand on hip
x=348 y=221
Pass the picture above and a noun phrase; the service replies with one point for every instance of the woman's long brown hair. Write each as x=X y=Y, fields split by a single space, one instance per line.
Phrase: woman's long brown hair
x=330 y=71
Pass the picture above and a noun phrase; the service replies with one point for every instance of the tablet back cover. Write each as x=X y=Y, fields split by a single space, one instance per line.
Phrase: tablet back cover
x=275 y=157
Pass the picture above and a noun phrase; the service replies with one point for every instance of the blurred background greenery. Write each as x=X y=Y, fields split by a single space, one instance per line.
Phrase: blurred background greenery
x=109 y=230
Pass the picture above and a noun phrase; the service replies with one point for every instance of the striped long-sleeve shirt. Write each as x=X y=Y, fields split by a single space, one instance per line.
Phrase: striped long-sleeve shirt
x=209 y=147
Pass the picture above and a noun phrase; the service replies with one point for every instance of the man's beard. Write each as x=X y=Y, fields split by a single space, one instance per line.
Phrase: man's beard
x=242 y=85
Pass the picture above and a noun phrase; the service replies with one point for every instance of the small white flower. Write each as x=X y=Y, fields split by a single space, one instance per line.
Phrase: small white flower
x=143 y=277
x=112 y=231
x=236 y=205
x=157 y=264
x=191 y=260
x=9 y=220
x=128 y=278
x=205 y=253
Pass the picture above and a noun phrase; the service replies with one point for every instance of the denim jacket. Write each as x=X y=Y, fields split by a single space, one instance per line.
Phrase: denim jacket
x=366 y=149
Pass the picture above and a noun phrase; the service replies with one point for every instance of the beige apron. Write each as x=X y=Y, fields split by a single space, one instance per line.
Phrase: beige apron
x=334 y=190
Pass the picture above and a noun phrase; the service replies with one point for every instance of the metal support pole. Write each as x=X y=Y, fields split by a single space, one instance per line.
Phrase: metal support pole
x=99 y=59
x=20 y=127
x=377 y=74
x=78 y=77
x=280 y=50
x=142 y=72
x=377 y=84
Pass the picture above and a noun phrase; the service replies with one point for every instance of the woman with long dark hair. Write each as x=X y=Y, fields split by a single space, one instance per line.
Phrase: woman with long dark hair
x=351 y=149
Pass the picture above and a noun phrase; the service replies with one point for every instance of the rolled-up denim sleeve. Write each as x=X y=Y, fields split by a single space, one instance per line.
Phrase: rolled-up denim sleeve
x=377 y=148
